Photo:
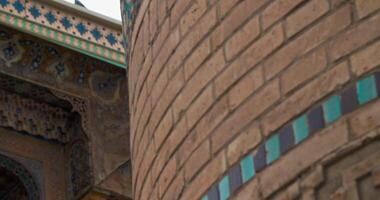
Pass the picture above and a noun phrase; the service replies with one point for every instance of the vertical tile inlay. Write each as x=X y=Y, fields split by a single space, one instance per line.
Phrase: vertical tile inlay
x=247 y=168
x=301 y=129
x=260 y=159
x=366 y=89
x=272 y=147
x=331 y=109
x=213 y=194
x=235 y=178
x=349 y=100
x=224 y=188
x=286 y=138
x=315 y=119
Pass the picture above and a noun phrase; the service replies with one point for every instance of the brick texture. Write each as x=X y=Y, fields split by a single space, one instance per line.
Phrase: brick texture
x=211 y=80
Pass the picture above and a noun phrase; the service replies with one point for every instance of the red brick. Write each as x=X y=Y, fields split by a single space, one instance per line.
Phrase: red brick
x=203 y=128
x=355 y=37
x=175 y=188
x=192 y=39
x=170 y=145
x=153 y=25
x=226 y=5
x=178 y=9
x=366 y=59
x=147 y=189
x=249 y=58
x=206 y=177
x=197 y=160
x=168 y=96
x=166 y=176
x=303 y=70
x=365 y=119
x=199 y=80
x=163 y=129
x=366 y=7
x=245 y=87
x=143 y=168
x=243 y=143
x=163 y=34
x=159 y=85
x=242 y=38
x=247 y=112
x=199 y=106
x=238 y=15
x=305 y=16
x=305 y=97
x=192 y=15
x=197 y=57
x=276 y=10
x=162 y=11
x=322 y=31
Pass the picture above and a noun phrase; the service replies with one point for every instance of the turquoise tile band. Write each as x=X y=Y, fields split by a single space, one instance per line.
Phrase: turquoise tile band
x=316 y=118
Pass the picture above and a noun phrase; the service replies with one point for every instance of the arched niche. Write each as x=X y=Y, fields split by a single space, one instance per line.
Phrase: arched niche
x=16 y=182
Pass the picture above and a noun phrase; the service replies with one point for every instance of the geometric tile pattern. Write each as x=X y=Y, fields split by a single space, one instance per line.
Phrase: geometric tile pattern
x=129 y=13
x=295 y=132
x=88 y=34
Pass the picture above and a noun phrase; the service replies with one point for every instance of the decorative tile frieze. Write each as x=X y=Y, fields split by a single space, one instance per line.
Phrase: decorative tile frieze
x=65 y=28
x=295 y=132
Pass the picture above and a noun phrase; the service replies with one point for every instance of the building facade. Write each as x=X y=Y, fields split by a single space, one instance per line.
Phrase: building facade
x=190 y=99
x=64 y=127
x=254 y=99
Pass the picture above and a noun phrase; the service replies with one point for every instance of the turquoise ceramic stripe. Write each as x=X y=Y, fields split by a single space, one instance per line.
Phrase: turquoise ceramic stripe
x=205 y=198
x=301 y=129
x=332 y=109
x=272 y=147
x=247 y=168
x=224 y=188
x=366 y=89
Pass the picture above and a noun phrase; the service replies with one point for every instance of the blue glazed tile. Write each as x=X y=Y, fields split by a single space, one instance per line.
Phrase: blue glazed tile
x=260 y=159
x=301 y=129
x=349 y=100
x=247 y=168
x=4 y=3
x=366 y=89
x=235 y=178
x=96 y=33
x=18 y=6
x=272 y=147
x=315 y=119
x=82 y=29
x=286 y=139
x=50 y=17
x=111 y=39
x=66 y=23
x=35 y=12
x=332 y=109
x=213 y=193
x=224 y=188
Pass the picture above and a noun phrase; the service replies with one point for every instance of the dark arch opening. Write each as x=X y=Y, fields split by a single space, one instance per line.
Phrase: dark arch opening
x=16 y=182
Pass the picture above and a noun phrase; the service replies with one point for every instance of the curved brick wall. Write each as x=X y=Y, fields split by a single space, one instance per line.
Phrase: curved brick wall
x=255 y=99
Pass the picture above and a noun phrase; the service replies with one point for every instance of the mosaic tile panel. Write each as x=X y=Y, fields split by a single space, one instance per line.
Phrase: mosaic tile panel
x=295 y=132
x=65 y=28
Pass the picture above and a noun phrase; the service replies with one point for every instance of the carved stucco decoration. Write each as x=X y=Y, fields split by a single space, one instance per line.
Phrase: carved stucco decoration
x=33 y=117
